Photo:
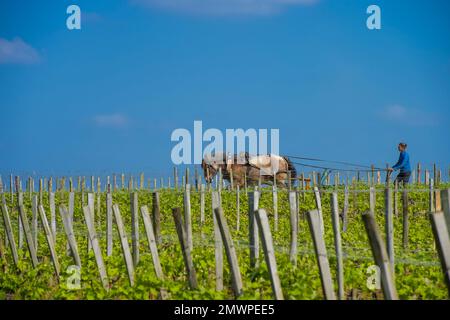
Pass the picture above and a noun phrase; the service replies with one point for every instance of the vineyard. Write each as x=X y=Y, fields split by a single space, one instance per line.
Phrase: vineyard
x=132 y=243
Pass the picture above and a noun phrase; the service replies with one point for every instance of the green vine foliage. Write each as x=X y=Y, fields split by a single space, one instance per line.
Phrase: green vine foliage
x=418 y=274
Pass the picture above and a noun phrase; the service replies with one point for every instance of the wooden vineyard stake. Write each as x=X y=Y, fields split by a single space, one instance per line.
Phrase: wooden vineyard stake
x=34 y=221
x=175 y=177
x=389 y=225
x=124 y=243
x=431 y=207
x=187 y=215
x=230 y=251
x=51 y=201
x=372 y=201
x=321 y=254
x=20 y=203
x=275 y=205
x=319 y=208
x=50 y=239
x=28 y=236
x=70 y=216
x=269 y=252
x=380 y=256
x=337 y=244
x=134 y=227
x=68 y=229
x=91 y=205
x=345 y=210
x=109 y=226
x=395 y=196
x=445 y=201
x=253 y=204
x=95 y=245
x=152 y=241
x=294 y=225
x=156 y=217
x=99 y=203
x=10 y=234
x=218 y=246
x=192 y=276
x=442 y=240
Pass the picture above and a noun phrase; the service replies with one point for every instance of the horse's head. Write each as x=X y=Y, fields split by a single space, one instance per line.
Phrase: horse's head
x=211 y=164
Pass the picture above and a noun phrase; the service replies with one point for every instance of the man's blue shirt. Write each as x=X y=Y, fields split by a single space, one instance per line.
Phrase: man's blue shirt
x=403 y=163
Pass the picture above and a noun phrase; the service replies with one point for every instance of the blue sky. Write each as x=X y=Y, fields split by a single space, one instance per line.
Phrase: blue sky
x=107 y=97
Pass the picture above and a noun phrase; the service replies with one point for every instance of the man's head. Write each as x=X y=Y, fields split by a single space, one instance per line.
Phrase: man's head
x=402 y=146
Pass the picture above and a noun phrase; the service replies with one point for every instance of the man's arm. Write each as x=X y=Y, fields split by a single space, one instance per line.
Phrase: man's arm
x=400 y=163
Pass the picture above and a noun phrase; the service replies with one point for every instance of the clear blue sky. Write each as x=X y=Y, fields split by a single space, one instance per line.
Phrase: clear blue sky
x=106 y=98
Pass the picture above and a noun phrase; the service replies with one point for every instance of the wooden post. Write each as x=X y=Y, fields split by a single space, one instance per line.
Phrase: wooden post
x=319 y=208
x=88 y=218
x=152 y=242
x=11 y=189
x=337 y=244
x=28 y=236
x=389 y=225
x=91 y=205
x=230 y=251
x=231 y=179
x=218 y=246
x=53 y=214
x=431 y=197
x=345 y=210
x=20 y=203
x=50 y=239
x=275 y=205
x=134 y=227
x=41 y=190
x=294 y=225
x=435 y=174
x=83 y=190
x=124 y=243
x=141 y=181
x=245 y=182
x=380 y=256
x=253 y=204
x=51 y=200
x=34 y=221
x=321 y=254
x=156 y=214
x=175 y=177
x=109 y=222
x=445 y=202
x=405 y=218
x=442 y=240
x=176 y=212
x=269 y=252
x=10 y=234
x=372 y=200
x=99 y=202
x=68 y=228
x=187 y=215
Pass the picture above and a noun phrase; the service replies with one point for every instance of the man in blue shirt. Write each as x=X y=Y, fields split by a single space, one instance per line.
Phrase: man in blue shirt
x=402 y=165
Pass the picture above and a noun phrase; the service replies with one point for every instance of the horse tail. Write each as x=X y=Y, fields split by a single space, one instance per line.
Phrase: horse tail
x=291 y=168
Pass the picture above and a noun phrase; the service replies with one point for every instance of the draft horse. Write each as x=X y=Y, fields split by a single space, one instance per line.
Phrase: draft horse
x=244 y=167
